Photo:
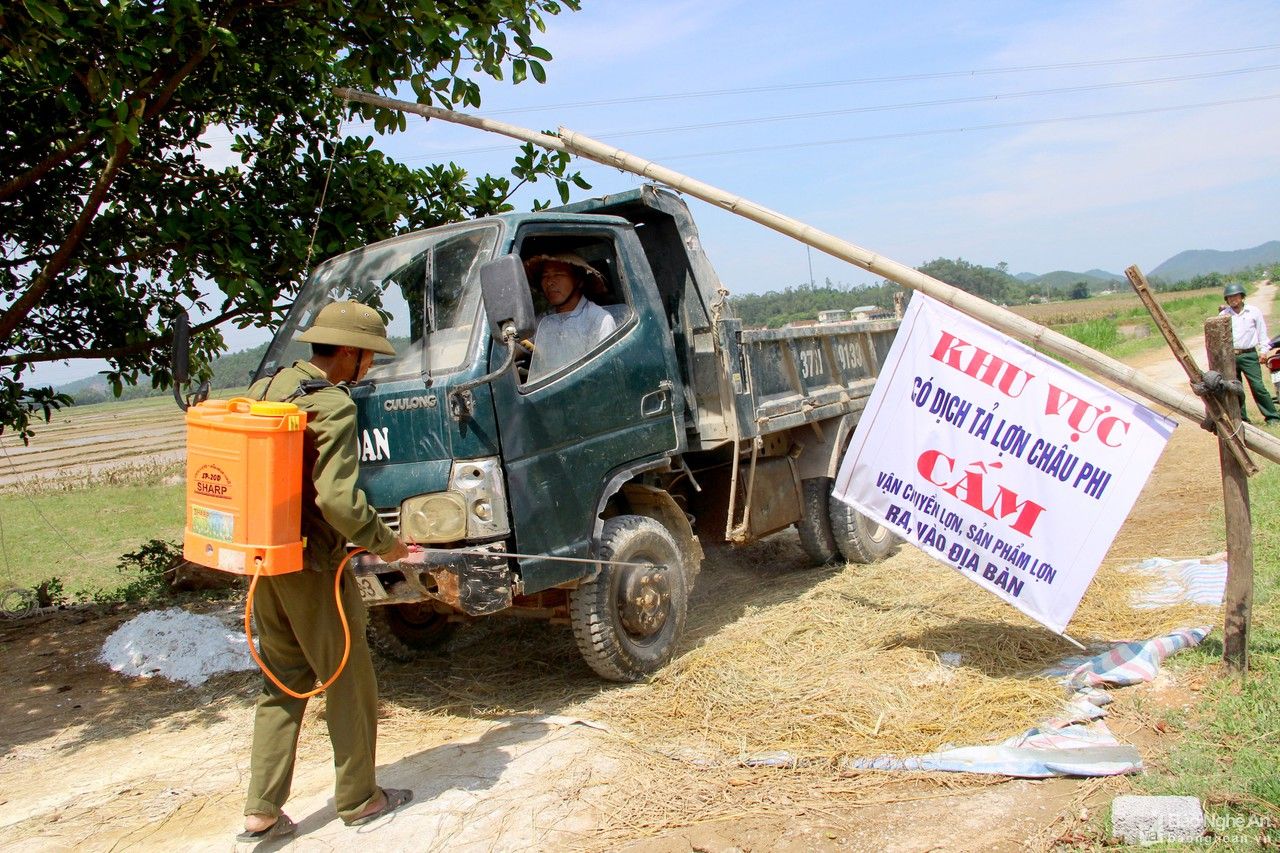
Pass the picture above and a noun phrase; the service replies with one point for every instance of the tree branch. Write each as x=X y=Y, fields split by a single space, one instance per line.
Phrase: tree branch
x=116 y=352
x=21 y=182
x=19 y=310
x=158 y=102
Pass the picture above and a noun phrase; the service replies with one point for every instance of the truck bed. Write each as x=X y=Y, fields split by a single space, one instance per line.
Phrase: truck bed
x=784 y=378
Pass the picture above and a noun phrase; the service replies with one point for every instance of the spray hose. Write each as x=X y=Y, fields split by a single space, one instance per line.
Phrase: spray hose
x=342 y=617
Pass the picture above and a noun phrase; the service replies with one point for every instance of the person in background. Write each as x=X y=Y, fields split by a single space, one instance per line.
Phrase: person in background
x=299 y=627
x=1249 y=331
x=575 y=324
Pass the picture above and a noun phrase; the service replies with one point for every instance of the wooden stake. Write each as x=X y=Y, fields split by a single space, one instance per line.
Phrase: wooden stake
x=1228 y=430
x=1238 y=603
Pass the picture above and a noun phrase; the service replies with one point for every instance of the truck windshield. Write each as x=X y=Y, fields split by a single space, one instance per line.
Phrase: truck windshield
x=426 y=286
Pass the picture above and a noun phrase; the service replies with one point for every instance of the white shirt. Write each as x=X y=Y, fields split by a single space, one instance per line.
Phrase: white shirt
x=1248 y=328
x=564 y=338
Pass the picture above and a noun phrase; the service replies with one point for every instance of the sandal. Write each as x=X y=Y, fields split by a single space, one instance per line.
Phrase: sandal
x=395 y=798
x=282 y=828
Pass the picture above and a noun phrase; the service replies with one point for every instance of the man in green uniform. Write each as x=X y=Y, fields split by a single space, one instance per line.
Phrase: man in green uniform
x=299 y=627
x=1248 y=332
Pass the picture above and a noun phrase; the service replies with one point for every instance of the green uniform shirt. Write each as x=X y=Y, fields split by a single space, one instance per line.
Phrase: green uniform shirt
x=335 y=510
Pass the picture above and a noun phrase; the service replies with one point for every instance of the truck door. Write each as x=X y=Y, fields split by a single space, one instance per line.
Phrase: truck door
x=566 y=432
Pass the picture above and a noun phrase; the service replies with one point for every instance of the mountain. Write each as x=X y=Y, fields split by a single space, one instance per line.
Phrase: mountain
x=1065 y=279
x=1194 y=262
x=1103 y=274
x=95 y=384
x=1026 y=276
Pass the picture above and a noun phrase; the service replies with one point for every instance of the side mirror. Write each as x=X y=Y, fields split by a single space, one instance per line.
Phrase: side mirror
x=507 y=300
x=181 y=367
x=181 y=349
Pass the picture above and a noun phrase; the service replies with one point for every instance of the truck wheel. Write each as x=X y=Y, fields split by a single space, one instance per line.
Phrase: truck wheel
x=627 y=620
x=860 y=539
x=814 y=525
x=407 y=632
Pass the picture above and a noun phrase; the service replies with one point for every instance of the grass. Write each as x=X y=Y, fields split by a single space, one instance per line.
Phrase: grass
x=1102 y=335
x=79 y=535
x=1228 y=749
x=1119 y=325
x=1128 y=330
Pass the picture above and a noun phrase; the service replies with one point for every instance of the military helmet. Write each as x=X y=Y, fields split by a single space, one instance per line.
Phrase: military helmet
x=349 y=324
x=1233 y=289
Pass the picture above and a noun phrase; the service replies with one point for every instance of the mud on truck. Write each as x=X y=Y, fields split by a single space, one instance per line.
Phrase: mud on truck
x=582 y=495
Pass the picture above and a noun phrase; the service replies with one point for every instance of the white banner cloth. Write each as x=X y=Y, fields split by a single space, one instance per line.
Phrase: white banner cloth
x=1013 y=469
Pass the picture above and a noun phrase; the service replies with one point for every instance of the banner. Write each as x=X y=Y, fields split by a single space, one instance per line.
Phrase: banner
x=1011 y=468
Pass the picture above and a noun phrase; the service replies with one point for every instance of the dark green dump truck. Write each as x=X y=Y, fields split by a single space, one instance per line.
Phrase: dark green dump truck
x=583 y=495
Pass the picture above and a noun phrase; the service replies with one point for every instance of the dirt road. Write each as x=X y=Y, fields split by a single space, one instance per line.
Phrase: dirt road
x=493 y=740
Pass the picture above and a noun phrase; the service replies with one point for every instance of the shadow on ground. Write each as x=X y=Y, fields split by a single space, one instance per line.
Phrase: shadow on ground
x=505 y=665
x=54 y=687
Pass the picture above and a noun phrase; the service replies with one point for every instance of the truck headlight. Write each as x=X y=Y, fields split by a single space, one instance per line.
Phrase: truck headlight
x=438 y=517
x=474 y=507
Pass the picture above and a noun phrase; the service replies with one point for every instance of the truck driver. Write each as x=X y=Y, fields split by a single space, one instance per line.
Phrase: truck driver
x=575 y=324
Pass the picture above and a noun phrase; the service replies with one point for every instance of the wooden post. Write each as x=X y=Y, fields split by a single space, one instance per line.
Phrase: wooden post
x=1228 y=429
x=899 y=304
x=1238 y=603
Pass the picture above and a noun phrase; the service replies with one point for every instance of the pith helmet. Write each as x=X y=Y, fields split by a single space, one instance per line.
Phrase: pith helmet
x=1233 y=289
x=349 y=324
x=533 y=266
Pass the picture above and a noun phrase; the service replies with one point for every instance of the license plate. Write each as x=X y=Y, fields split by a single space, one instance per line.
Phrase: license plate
x=371 y=589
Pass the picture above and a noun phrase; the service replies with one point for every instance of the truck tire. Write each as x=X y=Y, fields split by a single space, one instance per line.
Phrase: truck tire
x=814 y=525
x=407 y=632
x=860 y=539
x=627 y=620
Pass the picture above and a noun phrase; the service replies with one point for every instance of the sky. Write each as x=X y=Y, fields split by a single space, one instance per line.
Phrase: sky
x=1048 y=136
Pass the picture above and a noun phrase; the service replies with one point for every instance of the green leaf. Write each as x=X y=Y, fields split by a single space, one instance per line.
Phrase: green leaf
x=225 y=35
x=45 y=13
x=539 y=73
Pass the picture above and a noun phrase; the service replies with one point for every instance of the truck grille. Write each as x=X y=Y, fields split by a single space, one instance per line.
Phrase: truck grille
x=391 y=518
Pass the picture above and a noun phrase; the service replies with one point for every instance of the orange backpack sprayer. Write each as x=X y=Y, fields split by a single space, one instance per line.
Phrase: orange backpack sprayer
x=244 y=499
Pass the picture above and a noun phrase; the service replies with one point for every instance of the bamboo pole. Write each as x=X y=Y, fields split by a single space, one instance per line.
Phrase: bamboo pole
x=515 y=131
x=1189 y=407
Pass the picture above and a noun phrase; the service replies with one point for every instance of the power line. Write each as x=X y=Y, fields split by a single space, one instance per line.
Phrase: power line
x=859 y=81
x=874 y=108
x=1065 y=90
x=993 y=126
x=895 y=78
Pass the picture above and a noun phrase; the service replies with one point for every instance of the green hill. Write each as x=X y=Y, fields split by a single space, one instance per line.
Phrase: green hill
x=233 y=370
x=1065 y=280
x=1196 y=262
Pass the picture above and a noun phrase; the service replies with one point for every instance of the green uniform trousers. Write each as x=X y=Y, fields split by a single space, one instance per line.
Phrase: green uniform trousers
x=300 y=637
x=1248 y=367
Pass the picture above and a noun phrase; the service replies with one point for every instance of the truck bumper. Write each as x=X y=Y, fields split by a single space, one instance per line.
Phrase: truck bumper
x=474 y=584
